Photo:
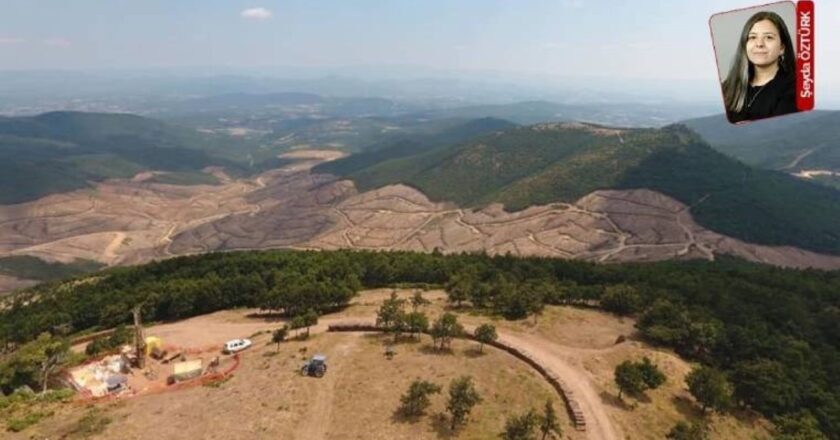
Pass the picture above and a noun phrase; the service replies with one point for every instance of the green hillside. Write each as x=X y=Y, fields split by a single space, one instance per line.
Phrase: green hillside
x=547 y=163
x=34 y=268
x=63 y=151
x=802 y=141
x=406 y=146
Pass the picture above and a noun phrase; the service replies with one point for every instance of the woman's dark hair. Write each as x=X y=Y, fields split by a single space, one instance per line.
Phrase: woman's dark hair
x=742 y=70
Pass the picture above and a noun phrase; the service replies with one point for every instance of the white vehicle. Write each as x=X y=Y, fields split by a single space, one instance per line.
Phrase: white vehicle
x=235 y=345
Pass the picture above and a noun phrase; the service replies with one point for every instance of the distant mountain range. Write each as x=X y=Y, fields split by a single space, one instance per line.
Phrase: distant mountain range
x=200 y=110
x=545 y=163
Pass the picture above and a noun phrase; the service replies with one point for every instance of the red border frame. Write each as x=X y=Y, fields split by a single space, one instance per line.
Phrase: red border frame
x=794 y=36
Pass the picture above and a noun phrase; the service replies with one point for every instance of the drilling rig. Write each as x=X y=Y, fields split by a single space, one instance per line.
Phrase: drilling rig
x=139 y=340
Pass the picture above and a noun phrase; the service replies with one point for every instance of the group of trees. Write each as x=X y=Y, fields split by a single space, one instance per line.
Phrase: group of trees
x=305 y=321
x=522 y=427
x=710 y=387
x=487 y=289
x=463 y=396
x=34 y=364
x=636 y=377
x=121 y=336
x=393 y=317
x=774 y=333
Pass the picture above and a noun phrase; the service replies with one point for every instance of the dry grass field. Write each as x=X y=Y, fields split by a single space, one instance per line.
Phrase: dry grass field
x=585 y=340
x=267 y=398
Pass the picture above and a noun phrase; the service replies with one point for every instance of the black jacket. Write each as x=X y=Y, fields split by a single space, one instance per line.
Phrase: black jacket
x=777 y=97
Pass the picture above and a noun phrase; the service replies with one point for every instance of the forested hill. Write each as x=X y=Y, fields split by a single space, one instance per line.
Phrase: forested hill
x=406 y=146
x=546 y=163
x=809 y=140
x=62 y=151
x=775 y=333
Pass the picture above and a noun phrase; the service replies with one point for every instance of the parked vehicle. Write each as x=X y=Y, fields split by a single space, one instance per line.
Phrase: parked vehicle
x=236 y=345
x=317 y=366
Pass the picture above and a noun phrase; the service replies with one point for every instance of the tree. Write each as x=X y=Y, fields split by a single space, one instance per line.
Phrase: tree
x=416 y=322
x=462 y=398
x=684 y=431
x=636 y=377
x=765 y=385
x=702 y=337
x=621 y=299
x=34 y=363
x=509 y=299
x=548 y=421
x=279 y=335
x=121 y=335
x=802 y=426
x=55 y=353
x=298 y=322
x=391 y=315
x=665 y=323
x=710 y=387
x=415 y=401
x=310 y=318
x=651 y=374
x=460 y=286
x=543 y=292
x=485 y=334
x=445 y=328
x=417 y=301
x=520 y=427
x=629 y=378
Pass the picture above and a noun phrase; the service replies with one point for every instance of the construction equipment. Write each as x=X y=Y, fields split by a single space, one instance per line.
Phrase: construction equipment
x=154 y=345
x=139 y=340
x=316 y=366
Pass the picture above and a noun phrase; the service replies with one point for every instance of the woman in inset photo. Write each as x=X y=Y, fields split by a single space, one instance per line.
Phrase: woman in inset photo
x=762 y=80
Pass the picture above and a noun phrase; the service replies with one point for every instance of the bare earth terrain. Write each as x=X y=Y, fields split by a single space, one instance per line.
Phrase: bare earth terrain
x=267 y=398
x=133 y=221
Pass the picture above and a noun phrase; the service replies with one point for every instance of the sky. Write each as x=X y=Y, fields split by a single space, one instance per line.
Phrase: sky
x=643 y=39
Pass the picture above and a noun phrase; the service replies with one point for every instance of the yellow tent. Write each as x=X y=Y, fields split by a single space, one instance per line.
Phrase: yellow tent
x=152 y=342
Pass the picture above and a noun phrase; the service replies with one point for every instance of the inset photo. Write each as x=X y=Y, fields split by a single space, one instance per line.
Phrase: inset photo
x=756 y=60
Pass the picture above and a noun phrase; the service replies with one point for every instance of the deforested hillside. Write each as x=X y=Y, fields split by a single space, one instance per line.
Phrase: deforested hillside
x=562 y=162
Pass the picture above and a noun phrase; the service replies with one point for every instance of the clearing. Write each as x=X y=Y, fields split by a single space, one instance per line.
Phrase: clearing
x=267 y=398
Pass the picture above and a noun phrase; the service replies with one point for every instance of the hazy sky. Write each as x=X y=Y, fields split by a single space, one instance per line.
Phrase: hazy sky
x=639 y=39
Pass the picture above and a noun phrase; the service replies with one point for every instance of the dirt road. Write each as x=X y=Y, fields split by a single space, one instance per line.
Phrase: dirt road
x=551 y=356
x=317 y=423
x=110 y=252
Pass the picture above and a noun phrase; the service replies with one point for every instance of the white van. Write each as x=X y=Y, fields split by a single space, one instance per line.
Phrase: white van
x=235 y=345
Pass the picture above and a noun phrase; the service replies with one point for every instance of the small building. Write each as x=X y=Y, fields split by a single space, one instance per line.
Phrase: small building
x=186 y=370
x=96 y=377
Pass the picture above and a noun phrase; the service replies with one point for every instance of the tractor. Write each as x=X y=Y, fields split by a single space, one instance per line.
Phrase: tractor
x=316 y=366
